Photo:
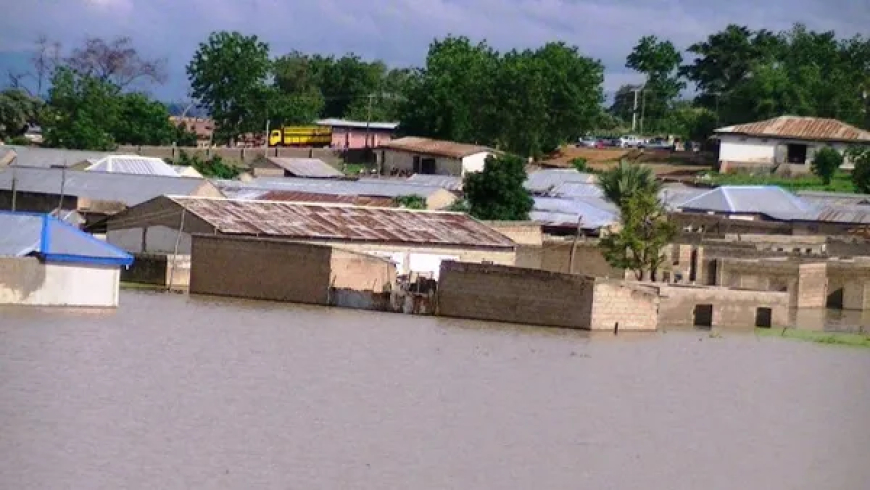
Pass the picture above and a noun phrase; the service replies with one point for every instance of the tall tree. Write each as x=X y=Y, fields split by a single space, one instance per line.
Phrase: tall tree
x=497 y=193
x=115 y=61
x=82 y=112
x=623 y=102
x=17 y=110
x=643 y=234
x=659 y=61
x=143 y=121
x=228 y=76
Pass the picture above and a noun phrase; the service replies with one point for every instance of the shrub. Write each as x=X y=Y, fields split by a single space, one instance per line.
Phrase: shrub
x=826 y=162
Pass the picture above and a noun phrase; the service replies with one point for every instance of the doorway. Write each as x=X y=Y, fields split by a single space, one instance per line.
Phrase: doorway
x=427 y=166
x=796 y=154
x=835 y=299
x=703 y=316
x=763 y=317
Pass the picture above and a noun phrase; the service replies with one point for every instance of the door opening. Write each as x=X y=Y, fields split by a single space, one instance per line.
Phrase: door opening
x=703 y=316
x=763 y=317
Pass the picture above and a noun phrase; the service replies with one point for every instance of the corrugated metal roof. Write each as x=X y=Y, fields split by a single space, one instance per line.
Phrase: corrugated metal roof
x=29 y=156
x=129 y=189
x=24 y=233
x=820 y=198
x=675 y=195
x=594 y=212
x=576 y=189
x=842 y=214
x=306 y=167
x=543 y=181
x=295 y=196
x=20 y=234
x=344 y=123
x=342 y=222
x=771 y=201
x=448 y=182
x=798 y=127
x=132 y=164
x=362 y=187
x=429 y=146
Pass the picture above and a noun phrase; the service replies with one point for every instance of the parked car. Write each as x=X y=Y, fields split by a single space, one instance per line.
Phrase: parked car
x=630 y=141
x=657 y=144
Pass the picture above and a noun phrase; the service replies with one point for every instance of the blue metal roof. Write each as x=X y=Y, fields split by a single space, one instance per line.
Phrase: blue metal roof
x=23 y=234
x=771 y=201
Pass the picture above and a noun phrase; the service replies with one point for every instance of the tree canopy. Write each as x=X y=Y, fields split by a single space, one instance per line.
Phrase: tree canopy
x=497 y=192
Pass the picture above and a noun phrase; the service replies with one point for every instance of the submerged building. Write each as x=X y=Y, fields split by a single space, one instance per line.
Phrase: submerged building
x=47 y=262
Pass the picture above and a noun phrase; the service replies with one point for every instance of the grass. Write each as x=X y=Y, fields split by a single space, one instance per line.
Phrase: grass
x=353 y=169
x=138 y=286
x=834 y=338
x=842 y=181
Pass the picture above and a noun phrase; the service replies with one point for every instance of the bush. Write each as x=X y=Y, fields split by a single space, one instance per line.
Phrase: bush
x=861 y=173
x=579 y=164
x=19 y=141
x=826 y=163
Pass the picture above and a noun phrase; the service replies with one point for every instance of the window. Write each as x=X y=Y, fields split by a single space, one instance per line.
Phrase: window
x=796 y=154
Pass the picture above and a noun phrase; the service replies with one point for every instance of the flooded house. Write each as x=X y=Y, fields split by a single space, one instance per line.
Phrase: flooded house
x=47 y=262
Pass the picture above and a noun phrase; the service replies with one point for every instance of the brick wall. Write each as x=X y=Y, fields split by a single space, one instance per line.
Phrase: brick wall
x=512 y=294
x=588 y=259
x=260 y=269
x=633 y=306
x=731 y=308
x=812 y=285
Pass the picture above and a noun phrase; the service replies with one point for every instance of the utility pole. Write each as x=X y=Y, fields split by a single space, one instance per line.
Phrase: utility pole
x=642 y=108
x=634 y=110
x=62 y=187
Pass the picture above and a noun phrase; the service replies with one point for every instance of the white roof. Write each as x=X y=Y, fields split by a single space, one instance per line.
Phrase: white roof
x=132 y=164
x=344 y=123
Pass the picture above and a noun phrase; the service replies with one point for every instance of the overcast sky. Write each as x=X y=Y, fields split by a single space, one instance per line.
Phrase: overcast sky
x=399 y=31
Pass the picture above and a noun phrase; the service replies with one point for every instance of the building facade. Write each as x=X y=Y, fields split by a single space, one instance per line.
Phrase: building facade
x=413 y=155
x=355 y=135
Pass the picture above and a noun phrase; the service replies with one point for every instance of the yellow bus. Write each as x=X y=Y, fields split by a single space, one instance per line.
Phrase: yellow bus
x=309 y=136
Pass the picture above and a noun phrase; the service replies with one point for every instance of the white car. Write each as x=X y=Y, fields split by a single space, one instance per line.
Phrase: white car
x=629 y=141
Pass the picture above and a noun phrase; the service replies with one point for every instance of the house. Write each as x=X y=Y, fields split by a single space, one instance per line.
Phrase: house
x=787 y=140
x=311 y=168
x=358 y=134
x=750 y=202
x=202 y=127
x=132 y=164
x=46 y=262
x=413 y=155
x=416 y=241
x=436 y=197
x=93 y=194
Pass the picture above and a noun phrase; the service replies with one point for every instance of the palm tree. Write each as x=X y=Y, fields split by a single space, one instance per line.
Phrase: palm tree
x=625 y=180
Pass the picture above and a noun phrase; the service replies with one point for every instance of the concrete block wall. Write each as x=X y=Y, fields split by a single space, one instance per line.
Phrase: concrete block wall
x=513 y=294
x=361 y=272
x=731 y=308
x=588 y=259
x=812 y=285
x=260 y=269
x=761 y=275
x=633 y=306
x=241 y=156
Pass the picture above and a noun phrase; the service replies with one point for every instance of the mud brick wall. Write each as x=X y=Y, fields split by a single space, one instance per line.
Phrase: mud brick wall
x=633 y=306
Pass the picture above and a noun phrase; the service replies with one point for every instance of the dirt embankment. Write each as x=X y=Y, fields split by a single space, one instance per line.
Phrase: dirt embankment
x=663 y=162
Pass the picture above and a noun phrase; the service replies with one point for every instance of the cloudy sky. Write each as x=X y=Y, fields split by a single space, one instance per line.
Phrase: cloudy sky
x=399 y=31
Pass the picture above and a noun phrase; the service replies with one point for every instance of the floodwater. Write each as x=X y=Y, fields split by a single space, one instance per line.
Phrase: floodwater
x=172 y=392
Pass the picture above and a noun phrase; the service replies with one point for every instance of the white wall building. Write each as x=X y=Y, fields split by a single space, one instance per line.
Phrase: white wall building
x=413 y=155
x=46 y=262
x=787 y=140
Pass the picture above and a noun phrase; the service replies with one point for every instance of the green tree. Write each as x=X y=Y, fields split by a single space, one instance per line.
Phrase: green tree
x=497 y=193
x=623 y=102
x=184 y=136
x=82 y=112
x=412 y=201
x=644 y=232
x=860 y=157
x=626 y=180
x=228 y=76
x=826 y=163
x=143 y=121
x=213 y=167
x=660 y=62
x=579 y=164
x=17 y=110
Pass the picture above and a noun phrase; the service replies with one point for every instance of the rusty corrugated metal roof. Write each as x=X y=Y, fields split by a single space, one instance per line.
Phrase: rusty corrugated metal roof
x=434 y=147
x=798 y=127
x=296 y=196
x=342 y=222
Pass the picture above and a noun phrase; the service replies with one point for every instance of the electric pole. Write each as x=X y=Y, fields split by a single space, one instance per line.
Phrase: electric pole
x=369 y=118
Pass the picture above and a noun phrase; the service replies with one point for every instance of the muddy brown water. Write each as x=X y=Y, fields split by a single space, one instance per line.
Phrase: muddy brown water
x=172 y=392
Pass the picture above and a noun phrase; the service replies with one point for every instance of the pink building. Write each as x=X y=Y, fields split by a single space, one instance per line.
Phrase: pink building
x=353 y=134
